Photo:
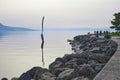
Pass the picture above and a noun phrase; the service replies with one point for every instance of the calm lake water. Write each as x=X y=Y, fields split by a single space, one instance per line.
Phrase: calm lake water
x=20 y=51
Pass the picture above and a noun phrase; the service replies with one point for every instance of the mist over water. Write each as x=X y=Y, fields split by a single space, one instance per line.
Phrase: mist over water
x=20 y=51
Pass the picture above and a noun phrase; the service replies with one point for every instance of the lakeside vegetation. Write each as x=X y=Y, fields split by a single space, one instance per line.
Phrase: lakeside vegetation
x=115 y=25
x=115 y=34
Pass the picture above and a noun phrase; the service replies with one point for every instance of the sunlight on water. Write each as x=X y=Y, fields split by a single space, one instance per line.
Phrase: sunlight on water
x=20 y=51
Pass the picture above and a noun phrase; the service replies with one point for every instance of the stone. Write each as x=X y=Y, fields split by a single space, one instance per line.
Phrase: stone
x=38 y=74
x=67 y=57
x=14 y=78
x=57 y=71
x=81 y=61
x=109 y=50
x=98 y=67
x=80 y=78
x=25 y=76
x=72 y=61
x=69 y=40
x=4 y=78
x=66 y=75
x=32 y=73
x=101 y=58
x=74 y=65
x=92 y=62
x=56 y=64
x=101 y=41
x=86 y=70
x=95 y=50
x=47 y=76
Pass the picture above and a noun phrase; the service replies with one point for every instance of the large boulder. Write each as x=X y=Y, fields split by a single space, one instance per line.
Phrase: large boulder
x=32 y=73
x=101 y=58
x=98 y=67
x=57 y=71
x=80 y=78
x=95 y=50
x=56 y=64
x=14 y=78
x=66 y=75
x=4 y=78
x=101 y=40
x=71 y=63
x=85 y=70
x=47 y=76
x=93 y=63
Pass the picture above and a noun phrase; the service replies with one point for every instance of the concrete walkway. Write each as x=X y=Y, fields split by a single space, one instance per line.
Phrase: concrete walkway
x=111 y=71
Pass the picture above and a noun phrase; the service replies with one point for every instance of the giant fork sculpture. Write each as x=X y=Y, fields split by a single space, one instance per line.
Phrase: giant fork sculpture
x=42 y=44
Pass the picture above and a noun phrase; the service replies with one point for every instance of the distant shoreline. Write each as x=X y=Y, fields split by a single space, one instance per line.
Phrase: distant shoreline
x=9 y=28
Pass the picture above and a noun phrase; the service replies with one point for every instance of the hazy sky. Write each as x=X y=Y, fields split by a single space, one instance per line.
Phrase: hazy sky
x=58 y=13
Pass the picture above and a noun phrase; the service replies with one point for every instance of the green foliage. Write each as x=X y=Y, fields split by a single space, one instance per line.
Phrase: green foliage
x=115 y=34
x=116 y=22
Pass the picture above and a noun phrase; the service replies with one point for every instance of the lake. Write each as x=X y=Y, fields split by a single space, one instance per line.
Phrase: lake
x=20 y=51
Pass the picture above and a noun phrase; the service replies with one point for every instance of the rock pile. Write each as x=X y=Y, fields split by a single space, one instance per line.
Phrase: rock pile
x=89 y=57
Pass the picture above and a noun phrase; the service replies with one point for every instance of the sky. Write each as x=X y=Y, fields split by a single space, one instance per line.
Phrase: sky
x=58 y=13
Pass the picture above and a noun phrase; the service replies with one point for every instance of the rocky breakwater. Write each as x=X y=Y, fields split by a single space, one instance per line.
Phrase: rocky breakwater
x=90 y=54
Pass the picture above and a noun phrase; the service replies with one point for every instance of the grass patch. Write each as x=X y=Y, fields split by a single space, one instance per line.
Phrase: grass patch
x=117 y=34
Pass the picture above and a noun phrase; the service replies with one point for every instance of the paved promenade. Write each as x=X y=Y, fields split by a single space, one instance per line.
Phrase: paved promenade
x=111 y=71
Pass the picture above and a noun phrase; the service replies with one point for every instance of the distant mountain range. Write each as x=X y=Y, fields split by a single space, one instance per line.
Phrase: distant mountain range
x=9 y=28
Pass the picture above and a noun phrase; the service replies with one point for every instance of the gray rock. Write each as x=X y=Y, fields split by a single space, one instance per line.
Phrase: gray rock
x=4 y=78
x=47 y=76
x=101 y=40
x=86 y=70
x=57 y=71
x=99 y=57
x=25 y=76
x=92 y=62
x=80 y=78
x=43 y=75
x=14 y=78
x=98 y=67
x=69 y=40
x=56 y=64
x=95 y=50
x=72 y=61
x=32 y=73
x=66 y=75
x=108 y=50
x=81 y=61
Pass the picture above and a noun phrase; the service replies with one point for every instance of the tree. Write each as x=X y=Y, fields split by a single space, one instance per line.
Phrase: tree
x=116 y=22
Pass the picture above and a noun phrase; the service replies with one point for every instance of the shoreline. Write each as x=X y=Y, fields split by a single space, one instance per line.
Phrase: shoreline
x=89 y=57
